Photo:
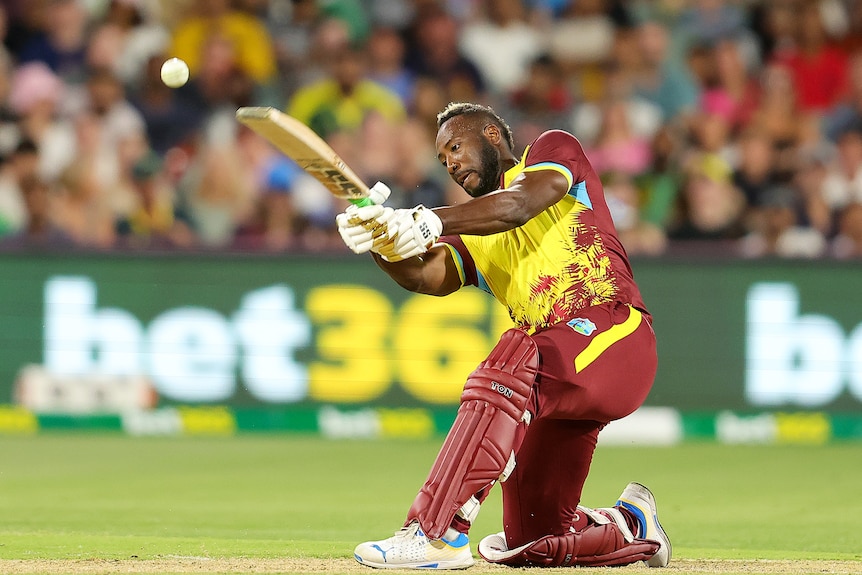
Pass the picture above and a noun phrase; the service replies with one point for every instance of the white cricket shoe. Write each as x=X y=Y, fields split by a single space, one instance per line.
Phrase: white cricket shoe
x=640 y=501
x=409 y=548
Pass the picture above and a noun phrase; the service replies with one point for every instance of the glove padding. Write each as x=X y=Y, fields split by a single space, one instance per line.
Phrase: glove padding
x=394 y=234
x=358 y=227
x=413 y=231
x=362 y=227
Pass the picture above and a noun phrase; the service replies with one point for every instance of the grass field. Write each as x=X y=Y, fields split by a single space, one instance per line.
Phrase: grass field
x=89 y=503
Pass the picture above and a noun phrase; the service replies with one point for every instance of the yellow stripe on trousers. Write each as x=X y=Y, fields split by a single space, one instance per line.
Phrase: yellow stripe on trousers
x=606 y=339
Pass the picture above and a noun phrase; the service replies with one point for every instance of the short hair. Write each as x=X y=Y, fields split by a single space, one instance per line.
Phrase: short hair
x=469 y=109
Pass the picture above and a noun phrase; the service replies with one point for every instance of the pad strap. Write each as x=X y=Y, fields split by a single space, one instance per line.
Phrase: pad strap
x=484 y=435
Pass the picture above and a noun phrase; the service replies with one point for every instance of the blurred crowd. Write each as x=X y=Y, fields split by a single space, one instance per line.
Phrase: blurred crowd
x=717 y=126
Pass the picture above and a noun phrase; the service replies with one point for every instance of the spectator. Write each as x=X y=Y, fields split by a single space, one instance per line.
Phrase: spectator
x=8 y=127
x=81 y=202
x=343 y=101
x=243 y=35
x=36 y=96
x=61 y=43
x=156 y=223
x=658 y=189
x=596 y=24
x=775 y=24
x=843 y=184
x=42 y=230
x=329 y=37
x=429 y=97
x=662 y=79
x=779 y=117
x=712 y=21
x=293 y=35
x=354 y=16
x=638 y=236
x=644 y=116
x=776 y=231
x=216 y=193
x=810 y=178
x=22 y=164
x=502 y=44
x=852 y=39
x=729 y=90
x=817 y=66
x=386 y=66
x=273 y=224
x=711 y=208
x=848 y=112
x=106 y=100
x=23 y=21
x=221 y=83
x=588 y=21
x=848 y=243
x=542 y=101
x=130 y=36
x=754 y=172
x=618 y=148
x=434 y=52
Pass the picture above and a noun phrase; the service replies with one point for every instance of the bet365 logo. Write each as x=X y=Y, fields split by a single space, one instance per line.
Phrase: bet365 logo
x=795 y=358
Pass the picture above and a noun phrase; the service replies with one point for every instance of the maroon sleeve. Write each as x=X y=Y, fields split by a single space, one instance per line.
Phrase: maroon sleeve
x=561 y=148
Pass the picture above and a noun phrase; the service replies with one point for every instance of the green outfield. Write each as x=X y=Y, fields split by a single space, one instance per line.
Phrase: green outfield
x=110 y=503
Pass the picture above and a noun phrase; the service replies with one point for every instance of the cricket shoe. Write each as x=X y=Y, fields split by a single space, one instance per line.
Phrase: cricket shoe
x=410 y=548
x=639 y=500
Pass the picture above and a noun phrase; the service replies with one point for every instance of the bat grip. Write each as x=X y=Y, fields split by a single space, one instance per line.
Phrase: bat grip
x=362 y=202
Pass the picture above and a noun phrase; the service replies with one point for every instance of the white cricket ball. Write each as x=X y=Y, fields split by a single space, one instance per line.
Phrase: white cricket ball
x=175 y=73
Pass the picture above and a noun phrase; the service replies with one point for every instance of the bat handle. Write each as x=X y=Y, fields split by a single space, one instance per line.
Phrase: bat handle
x=362 y=202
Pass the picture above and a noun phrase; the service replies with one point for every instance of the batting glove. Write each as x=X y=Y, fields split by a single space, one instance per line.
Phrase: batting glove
x=415 y=231
x=360 y=226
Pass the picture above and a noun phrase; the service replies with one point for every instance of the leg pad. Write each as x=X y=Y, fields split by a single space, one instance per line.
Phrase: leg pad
x=593 y=546
x=484 y=434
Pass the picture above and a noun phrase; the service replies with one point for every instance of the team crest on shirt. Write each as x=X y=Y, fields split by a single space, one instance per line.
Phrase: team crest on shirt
x=582 y=326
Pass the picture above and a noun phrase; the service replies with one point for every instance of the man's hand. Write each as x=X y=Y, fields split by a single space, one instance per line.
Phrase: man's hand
x=415 y=231
x=359 y=227
x=394 y=234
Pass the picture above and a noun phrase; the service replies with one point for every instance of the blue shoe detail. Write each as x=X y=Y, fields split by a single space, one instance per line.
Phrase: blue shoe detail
x=642 y=521
x=459 y=541
x=382 y=552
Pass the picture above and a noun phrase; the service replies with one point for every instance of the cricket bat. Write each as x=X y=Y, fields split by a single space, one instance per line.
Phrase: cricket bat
x=299 y=143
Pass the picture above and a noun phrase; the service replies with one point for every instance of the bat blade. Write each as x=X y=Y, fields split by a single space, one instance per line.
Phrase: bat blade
x=299 y=143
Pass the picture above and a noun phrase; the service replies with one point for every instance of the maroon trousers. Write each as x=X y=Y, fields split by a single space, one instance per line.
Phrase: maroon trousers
x=594 y=369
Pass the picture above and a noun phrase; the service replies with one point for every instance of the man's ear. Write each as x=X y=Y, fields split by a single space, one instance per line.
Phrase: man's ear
x=492 y=132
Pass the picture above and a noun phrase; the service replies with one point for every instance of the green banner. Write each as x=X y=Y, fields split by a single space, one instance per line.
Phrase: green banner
x=99 y=334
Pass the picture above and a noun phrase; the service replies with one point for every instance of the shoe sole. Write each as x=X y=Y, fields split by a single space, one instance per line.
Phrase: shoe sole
x=439 y=565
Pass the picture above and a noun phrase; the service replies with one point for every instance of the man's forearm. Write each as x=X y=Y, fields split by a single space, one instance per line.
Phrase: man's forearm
x=406 y=273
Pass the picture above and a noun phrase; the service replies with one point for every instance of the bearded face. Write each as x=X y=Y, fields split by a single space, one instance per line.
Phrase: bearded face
x=488 y=170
